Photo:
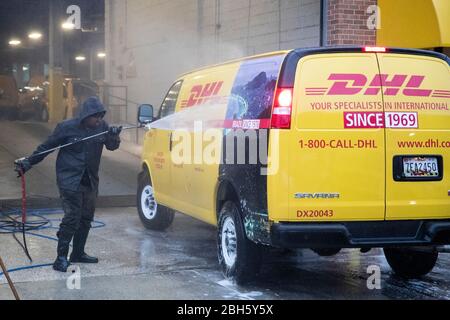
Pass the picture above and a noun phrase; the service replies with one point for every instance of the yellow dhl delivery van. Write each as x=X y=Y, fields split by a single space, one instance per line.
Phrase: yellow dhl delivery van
x=353 y=150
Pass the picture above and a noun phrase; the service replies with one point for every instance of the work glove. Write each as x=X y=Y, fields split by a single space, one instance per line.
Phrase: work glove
x=21 y=166
x=115 y=131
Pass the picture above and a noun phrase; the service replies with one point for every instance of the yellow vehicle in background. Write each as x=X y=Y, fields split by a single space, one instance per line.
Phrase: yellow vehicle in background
x=33 y=98
x=353 y=150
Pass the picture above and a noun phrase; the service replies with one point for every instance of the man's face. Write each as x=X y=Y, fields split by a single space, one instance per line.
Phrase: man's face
x=94 y=121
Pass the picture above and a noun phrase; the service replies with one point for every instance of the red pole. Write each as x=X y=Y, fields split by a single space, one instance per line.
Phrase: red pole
x=24 y=198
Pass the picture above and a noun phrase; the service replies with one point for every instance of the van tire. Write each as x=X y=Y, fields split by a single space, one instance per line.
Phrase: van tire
x=409 y=263
x=245 y=262
x=42 y=114
x=20 y=115
x=153 y=215
x=327 y=252
x=13 y=114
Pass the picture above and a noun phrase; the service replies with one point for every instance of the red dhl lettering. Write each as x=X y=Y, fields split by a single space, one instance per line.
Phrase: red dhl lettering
x=201 y=94
x=355 y=83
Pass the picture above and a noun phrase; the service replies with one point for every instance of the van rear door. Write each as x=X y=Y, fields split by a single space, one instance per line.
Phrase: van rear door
x=416 y=93
x=336 y=167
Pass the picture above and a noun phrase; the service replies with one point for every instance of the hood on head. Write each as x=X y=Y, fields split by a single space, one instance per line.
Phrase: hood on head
x=91 y=106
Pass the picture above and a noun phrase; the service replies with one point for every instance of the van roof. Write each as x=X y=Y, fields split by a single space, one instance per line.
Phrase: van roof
x=267 y=54
x=318 y=50
x=295 y=54
x=287 y=75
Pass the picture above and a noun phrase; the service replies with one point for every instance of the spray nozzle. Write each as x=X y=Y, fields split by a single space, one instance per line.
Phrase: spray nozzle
x=19 y=161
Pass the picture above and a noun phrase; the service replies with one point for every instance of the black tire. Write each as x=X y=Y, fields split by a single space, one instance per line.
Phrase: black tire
x=409 y=263
x=327 y=252
x=42 y=114
x=158 y=219
x=247 y=255
x=20 y=115
x=13 y=114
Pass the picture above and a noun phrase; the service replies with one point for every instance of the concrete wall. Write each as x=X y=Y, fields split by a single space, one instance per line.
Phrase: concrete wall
x=150 y=42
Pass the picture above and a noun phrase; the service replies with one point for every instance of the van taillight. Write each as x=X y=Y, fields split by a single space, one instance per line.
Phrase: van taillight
x=375 y=49
x=282 y=109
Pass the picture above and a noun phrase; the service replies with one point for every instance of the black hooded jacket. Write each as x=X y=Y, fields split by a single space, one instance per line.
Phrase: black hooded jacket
x=84 y=157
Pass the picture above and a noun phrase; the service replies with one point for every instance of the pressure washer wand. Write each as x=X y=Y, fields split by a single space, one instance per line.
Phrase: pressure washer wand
x=73 y=142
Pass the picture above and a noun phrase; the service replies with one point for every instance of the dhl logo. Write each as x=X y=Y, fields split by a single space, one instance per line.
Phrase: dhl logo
x=354 y=83
x=201 y=94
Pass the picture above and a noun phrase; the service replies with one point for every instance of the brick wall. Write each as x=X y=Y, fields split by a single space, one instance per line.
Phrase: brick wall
x=347 y=22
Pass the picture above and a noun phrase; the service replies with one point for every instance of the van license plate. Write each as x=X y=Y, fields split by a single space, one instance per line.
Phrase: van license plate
x=420 y=167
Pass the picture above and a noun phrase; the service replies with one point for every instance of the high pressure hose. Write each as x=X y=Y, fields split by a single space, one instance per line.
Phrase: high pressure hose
x=24 y=213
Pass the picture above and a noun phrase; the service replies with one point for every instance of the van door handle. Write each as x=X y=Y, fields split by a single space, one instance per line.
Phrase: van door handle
x=170 y=141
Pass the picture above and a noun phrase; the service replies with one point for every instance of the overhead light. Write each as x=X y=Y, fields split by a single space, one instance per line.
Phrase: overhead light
x=101 y=54
x=35 y=35
x=80 y=58
x=68 y=26
x=25 y=68
x=14 y=42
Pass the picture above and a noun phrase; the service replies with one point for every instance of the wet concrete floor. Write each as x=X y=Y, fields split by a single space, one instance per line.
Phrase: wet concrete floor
x=181 y=263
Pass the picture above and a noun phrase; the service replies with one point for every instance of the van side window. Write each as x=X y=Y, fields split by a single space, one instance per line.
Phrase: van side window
x=170 y=102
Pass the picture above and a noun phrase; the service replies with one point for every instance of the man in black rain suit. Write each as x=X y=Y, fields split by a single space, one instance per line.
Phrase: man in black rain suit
x=77 y=176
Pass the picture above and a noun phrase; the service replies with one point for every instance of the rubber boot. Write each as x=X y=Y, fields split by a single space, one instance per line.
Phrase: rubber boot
x=79 y=241
x=61 y=263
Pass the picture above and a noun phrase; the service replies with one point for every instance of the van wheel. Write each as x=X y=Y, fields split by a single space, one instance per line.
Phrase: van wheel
x=13 y=114
x=239 y=258
x=327 y=252
x=42 y=114
x=410 y=263
x=20 y=115
x=153 y=215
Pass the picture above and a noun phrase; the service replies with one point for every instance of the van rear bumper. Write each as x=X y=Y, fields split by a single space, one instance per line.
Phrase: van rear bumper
x=360 y=234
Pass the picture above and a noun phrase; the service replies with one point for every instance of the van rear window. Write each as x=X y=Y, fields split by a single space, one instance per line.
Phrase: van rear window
x=251 y=99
